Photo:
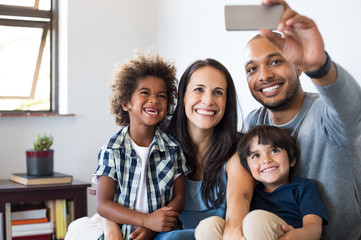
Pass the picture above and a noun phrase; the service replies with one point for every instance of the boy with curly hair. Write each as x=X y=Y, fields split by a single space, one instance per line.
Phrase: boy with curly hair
x=141 y=171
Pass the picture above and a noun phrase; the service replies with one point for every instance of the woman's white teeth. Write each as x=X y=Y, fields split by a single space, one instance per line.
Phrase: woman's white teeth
x=269 y=169
x=270 y=89
x=205 y=112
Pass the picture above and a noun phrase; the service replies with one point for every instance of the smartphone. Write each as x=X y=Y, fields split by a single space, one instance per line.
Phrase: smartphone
x=252 y=17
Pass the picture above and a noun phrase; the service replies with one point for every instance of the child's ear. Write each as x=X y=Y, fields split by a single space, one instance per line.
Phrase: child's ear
x=125 y=107
x=293 y=162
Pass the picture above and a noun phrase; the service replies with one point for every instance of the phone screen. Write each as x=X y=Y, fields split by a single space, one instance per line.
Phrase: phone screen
x=252 y=17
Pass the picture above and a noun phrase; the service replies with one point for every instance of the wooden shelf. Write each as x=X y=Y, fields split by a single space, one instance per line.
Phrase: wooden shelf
x=12 y=192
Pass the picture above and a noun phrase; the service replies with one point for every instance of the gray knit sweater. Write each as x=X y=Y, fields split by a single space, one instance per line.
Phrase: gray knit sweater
x=328 y=128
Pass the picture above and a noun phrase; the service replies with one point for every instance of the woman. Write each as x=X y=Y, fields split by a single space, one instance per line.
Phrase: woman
x=205 y=124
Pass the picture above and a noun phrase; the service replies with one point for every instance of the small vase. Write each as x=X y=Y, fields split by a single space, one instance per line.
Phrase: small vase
x=40 y=163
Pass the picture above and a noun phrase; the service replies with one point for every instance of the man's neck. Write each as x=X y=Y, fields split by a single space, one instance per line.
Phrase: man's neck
x=287 y=113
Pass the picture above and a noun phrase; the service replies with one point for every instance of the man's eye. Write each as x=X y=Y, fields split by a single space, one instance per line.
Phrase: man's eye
x=276 y=62
x=251 y=69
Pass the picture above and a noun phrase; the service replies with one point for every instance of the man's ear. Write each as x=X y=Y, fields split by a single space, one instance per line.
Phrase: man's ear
x=293 y=162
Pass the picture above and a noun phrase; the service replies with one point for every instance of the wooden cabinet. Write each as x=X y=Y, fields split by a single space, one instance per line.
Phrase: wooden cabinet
x=11 y=192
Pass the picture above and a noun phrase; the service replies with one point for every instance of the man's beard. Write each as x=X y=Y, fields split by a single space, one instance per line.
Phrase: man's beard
x=290 y=96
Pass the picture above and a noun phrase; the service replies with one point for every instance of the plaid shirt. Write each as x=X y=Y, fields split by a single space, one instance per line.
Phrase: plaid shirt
x=119 y=161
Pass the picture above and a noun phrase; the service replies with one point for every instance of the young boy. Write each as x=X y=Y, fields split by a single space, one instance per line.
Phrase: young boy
x=141 y=171
x=291 y=208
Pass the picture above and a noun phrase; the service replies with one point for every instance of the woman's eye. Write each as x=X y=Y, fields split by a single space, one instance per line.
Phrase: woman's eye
x=198 y=89
x=218 y=92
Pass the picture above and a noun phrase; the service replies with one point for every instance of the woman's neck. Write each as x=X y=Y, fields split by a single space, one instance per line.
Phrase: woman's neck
x=201 y=140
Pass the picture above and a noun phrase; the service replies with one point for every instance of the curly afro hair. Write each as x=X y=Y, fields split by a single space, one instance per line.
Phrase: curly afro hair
x=129 y=74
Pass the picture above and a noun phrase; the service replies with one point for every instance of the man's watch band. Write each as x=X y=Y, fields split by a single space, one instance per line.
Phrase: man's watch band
x=322 y=71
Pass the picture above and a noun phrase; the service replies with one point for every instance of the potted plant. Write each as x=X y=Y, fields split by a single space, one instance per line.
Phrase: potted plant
x=40 y=160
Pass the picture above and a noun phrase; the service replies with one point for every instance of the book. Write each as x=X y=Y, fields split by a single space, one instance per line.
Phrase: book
x=46 y=236
x=50 y=205
x=29 y=221
x=60 y=215
x=8 y=220
x=56 y=178
x=28 y=214
x=1 y=227
x=32 y=229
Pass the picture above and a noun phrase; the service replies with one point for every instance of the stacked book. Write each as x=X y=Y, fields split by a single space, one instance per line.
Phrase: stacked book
x=31 y=224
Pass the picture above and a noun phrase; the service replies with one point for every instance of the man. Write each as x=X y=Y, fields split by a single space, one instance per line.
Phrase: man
x=327 y=125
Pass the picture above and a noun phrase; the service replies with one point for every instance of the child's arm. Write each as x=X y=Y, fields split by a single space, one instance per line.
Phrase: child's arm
x=176 y=204
x=240 y=186
x=179 y=191
x=111 y=229
x=312 y=229
x=157 y=221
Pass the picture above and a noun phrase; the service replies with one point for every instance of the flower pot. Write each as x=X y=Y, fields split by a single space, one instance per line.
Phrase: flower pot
x=39 y=163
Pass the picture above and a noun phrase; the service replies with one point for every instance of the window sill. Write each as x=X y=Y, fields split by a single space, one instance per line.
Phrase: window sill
x=36 y=114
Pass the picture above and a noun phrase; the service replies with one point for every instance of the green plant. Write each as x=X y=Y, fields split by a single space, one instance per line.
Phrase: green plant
x=43 y=143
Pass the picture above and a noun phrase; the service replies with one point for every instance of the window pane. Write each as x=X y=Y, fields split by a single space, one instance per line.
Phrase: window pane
x=38 y=4
x=26 y=86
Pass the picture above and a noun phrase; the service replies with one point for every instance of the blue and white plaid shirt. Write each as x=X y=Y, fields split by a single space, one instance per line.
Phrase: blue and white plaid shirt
x=119 y=161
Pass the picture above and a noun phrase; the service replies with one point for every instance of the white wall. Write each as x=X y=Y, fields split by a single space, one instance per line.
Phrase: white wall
x=101 y=33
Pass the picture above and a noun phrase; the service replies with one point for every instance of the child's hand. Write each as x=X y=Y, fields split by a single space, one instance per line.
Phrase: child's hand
x=111 y=230
x=161 y=220
x=289 y=233
x=142 y=233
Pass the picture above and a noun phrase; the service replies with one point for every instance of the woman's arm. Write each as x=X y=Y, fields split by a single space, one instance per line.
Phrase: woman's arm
x=311 y=229
x=240 y=186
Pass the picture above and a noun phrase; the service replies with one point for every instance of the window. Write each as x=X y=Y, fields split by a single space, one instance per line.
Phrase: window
x=28 y=56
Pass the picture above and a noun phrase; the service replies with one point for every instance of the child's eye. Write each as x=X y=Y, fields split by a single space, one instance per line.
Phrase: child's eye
x=144 y=92
x=275 y=150
x=163 y=96
x=254 y=156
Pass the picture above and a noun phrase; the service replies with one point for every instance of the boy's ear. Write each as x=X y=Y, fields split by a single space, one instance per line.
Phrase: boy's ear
x=125 y=107
x=293 y=162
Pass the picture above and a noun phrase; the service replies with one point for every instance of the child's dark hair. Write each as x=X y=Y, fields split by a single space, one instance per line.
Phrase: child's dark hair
x=268 y=135
x=129 y=74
